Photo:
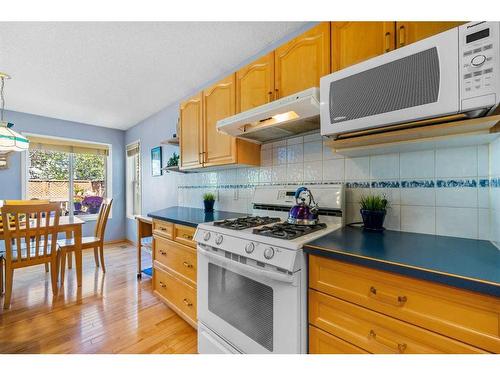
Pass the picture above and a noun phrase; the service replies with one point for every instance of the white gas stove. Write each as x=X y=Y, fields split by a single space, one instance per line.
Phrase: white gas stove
x=252 y=274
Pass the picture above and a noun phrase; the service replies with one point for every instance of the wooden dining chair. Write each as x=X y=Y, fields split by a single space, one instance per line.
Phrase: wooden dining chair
x=21 y=202
x=30 y=239
x=96 y=242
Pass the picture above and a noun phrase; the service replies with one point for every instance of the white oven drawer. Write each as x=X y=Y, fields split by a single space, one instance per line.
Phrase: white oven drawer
x=210 y=343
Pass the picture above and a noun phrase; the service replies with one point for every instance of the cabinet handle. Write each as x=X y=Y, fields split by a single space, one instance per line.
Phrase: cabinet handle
x=187 y=303
x=387 y=41
x=389 y=343
x=163 y=252
x=387 y=298
x=187 y=236
x=270 y=99
x=276 y=94
x=186 y=264
x=162 y=284
x=402 y=35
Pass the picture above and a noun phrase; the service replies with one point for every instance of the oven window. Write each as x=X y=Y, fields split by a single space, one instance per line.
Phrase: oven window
x=244 y=303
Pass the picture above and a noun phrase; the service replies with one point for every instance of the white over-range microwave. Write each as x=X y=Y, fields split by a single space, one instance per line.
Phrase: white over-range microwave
x=453 y=72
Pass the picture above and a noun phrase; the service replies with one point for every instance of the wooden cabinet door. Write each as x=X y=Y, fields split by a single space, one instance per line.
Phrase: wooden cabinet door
x=191 y=132
x=219 y=102
x=353 y=42
x=410 y=32
x=255 y=83
x=300 y=63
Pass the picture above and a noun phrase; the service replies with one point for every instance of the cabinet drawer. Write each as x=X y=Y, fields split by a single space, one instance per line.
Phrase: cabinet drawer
x=321 y=342
x=163 y=228
x=377 y=333
x=179 y=259
x=178 y=295
x=184 y=235
x=470 y=317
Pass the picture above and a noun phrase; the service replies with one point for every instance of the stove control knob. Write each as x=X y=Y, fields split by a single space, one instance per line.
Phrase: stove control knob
x=268 y=253
x=249 y=248
x=206 y=236
x=218 y=239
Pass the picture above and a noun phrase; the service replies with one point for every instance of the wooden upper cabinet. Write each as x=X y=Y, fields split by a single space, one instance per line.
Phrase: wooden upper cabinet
x=255 y=83
x=191 y=132
x=354 y=42
x=219 y=102
x=300 y=63
x=410 y=32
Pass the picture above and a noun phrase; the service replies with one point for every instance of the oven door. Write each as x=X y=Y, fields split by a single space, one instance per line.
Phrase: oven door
x=257 y=311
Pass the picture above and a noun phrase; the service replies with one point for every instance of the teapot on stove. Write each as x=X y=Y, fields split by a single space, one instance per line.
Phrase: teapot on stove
x=304 y=213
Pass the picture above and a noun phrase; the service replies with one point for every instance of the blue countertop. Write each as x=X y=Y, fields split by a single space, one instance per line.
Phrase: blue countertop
x=192 y=216
x=459 y=262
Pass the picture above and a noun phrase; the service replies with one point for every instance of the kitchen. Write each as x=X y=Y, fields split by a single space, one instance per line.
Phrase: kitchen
x=321 y=196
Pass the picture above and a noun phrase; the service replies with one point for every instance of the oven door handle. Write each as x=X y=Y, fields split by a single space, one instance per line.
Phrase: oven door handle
x=247 y=269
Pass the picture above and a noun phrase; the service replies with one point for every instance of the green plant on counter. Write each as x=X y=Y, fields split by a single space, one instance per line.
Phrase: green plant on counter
x=374 y=203
x=209 y=197
x=173 y=161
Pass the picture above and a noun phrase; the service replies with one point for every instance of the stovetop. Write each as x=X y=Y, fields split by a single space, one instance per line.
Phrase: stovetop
x=288 y=231
x=246 y=222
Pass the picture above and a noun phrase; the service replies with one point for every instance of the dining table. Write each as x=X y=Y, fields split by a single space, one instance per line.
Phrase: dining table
x=72 y=227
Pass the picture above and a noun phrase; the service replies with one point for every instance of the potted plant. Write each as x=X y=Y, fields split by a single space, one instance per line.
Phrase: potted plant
x=208 y=201
x=373 y=210
x=173 y=161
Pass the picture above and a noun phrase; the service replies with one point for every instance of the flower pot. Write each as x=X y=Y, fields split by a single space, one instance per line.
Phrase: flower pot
x=209 y=206
x=77 y=206
x=373 y=220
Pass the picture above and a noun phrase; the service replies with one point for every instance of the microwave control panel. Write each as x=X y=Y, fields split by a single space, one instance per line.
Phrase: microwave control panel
x=479 y=55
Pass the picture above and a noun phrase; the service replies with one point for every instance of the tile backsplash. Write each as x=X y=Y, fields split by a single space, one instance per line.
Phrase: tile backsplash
x=453 y=192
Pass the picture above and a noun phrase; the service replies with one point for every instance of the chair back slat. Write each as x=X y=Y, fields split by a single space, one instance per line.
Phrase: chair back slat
x=102 y=219
x=32 y=229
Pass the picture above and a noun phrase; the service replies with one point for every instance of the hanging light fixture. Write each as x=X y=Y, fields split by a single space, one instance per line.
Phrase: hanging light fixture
x=9 y=139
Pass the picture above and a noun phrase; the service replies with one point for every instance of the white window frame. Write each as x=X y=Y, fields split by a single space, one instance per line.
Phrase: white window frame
x=109 y=172
x=138 y=142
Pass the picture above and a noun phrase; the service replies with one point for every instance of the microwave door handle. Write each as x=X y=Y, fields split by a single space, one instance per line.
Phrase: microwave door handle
x=247 y=269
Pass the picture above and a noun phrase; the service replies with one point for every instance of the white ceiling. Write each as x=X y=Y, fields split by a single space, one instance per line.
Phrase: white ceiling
x=115 y=74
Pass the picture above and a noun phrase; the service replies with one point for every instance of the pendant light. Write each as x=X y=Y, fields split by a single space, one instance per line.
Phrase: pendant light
x=9 y=139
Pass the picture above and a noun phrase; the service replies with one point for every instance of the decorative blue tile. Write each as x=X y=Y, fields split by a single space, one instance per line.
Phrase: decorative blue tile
x=417 y=184
x=456 y=183
x=495 y=182
x=385 y=184
x=357 y=185
x=484 y=182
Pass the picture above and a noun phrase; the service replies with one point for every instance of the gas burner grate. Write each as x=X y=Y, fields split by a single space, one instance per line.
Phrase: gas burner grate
x=288 y=231
x=246 y=222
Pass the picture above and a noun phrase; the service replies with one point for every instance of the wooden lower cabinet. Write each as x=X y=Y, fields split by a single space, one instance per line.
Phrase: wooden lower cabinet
x=382 y=312
x=175 y=268
x=321 y=342
x=178 y=295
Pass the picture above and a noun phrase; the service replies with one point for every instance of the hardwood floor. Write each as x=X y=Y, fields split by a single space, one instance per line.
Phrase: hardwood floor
x=112 y=312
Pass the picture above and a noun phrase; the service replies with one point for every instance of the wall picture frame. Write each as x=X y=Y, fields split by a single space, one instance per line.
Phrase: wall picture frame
x=156 y=161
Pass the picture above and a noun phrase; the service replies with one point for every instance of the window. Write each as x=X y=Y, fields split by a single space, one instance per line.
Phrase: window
x=133 y=177
x=74 y=173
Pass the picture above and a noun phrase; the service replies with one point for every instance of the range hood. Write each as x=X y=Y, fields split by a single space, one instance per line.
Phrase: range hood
x=286 y=117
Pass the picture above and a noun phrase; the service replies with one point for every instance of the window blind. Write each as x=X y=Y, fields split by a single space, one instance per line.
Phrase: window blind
x=70 y=146
x=133 y=149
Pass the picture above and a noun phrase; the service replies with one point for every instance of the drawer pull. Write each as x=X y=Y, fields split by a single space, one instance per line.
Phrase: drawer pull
x=186 y=264
x=187 y=303
x=187 y=236
x=163 y=229
x=389 y=343
x=163 y=252
x=387 y=298
x=162 y=284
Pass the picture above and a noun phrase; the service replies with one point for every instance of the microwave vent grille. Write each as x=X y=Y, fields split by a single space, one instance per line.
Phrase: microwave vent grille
x=407 y=82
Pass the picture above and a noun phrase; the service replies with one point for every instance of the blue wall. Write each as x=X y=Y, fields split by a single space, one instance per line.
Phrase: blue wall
x=10 y=179
x=160 y=192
